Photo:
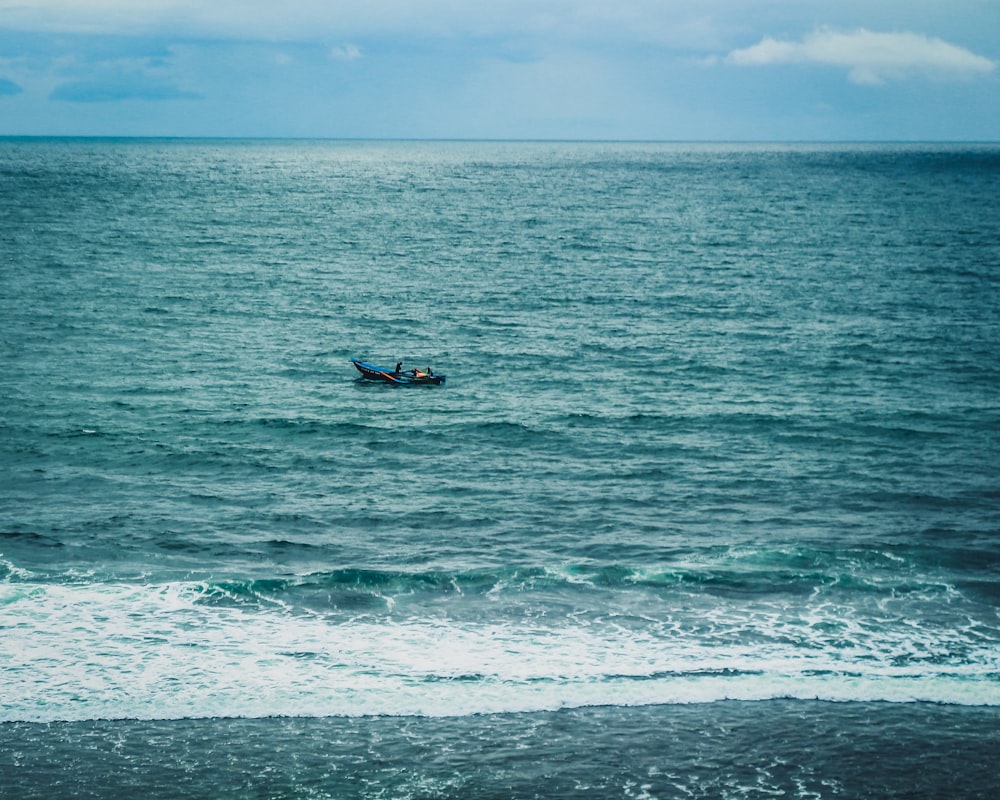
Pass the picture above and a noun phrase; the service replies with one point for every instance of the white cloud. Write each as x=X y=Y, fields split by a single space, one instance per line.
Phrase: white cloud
x=870 y=58
x=347 y=52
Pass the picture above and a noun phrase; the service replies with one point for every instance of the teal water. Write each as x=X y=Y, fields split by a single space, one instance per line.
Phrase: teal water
x=710 y=493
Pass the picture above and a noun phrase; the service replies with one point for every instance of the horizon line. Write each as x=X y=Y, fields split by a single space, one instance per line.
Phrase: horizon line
x=472 y=140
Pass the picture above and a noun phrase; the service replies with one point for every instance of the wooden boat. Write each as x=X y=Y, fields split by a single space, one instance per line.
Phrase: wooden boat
x=397 y=377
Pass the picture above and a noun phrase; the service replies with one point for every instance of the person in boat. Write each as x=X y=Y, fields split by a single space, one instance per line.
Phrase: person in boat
x=399 y=368
x=429 y=372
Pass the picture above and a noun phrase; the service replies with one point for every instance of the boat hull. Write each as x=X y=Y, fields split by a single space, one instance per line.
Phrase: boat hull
x=373 y=372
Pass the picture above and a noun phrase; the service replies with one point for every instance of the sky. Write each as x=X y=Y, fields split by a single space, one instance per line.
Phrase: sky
x=674 y=70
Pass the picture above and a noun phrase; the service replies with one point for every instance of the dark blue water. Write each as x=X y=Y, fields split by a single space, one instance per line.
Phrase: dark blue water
x=709 y=505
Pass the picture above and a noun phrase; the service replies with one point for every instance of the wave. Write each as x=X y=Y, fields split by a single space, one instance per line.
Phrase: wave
x=355 y=642
x=881 y=570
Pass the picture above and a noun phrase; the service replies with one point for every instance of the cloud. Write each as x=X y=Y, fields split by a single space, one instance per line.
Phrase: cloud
x=8 y=87
x=870 y=58
x=116 y=91
x=347 y=52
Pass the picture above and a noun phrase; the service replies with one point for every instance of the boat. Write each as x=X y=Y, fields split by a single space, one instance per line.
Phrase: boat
x=397 y=377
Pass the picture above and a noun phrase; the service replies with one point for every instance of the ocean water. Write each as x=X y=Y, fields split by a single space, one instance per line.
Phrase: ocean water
x=708 y=507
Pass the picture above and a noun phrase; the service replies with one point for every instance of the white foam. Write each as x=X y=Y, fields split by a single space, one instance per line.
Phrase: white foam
x=12 y=569
x=87 y=651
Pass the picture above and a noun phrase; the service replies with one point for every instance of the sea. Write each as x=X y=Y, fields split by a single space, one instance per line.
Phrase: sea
x=707 y=507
